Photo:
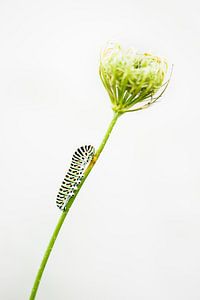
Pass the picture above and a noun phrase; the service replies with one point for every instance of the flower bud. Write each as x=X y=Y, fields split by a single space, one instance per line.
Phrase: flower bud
x=130 y=77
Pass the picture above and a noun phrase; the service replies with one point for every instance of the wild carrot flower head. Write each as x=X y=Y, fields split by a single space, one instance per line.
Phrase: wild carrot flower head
x=130 y=77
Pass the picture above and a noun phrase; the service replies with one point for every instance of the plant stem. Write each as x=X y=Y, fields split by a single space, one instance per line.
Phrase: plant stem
x=69 y=204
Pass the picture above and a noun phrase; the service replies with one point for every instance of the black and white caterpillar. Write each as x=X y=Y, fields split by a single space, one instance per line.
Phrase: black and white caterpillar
x=80 y=159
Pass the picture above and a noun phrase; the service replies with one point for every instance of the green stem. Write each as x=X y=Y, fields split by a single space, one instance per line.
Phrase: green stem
x=69 y=204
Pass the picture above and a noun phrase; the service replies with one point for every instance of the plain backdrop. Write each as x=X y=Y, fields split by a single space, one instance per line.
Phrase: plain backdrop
x=134 y=229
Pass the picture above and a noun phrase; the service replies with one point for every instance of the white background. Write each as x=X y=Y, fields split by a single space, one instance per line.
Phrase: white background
x=134 y=229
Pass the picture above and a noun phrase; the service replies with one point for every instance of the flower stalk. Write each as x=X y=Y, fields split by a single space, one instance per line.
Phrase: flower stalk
x=69 y=204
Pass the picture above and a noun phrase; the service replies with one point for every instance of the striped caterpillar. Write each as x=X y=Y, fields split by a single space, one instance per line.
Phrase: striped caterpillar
x=80 y=159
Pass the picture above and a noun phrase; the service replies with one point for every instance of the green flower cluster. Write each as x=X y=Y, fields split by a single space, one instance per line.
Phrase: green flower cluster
x=130 y=77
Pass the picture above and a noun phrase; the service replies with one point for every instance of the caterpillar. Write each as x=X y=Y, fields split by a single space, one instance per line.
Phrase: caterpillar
x=81 y=157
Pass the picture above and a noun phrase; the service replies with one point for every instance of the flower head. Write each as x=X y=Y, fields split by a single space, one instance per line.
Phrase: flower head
x=130 y=77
